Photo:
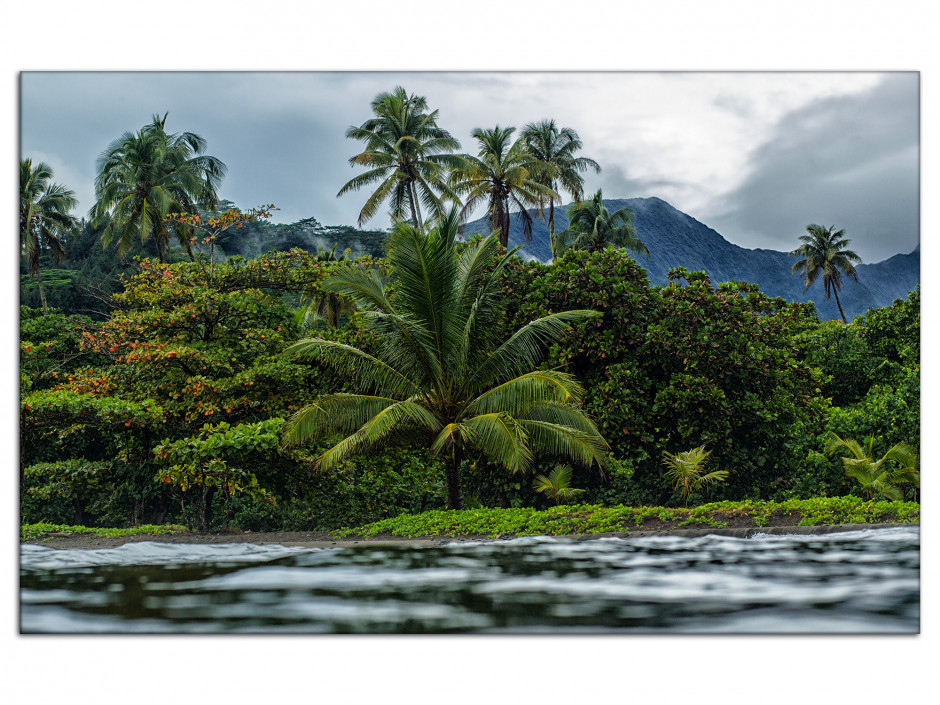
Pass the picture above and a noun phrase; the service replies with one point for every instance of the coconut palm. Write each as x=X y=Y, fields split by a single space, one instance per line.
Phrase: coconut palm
x=408 y=156
x=592 y=227
x=145 y=176
x=823 y=252
x=556 y=147
x=45 y=218
x=686 y=471
x=437 y=375
x=879 y=478
x=504 y=174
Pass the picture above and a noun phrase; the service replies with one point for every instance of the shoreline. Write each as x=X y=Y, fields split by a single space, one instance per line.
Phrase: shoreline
x=323 y=539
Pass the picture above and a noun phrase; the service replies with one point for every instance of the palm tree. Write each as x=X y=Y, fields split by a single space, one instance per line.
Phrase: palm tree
x=437 y=375
x=556 y=147
x=823 y=252
x=325 y=307
x=504 y=175
x=557 y=485
x=685 y=470
x=591 y=226
x=44 y=218
x=877 y=479
x=408 y=155
x=145 y=176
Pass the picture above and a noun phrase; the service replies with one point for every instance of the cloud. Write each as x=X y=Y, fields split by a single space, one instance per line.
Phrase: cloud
x=851 y=161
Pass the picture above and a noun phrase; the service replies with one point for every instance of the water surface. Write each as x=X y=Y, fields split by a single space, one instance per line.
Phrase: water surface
x=853 y=582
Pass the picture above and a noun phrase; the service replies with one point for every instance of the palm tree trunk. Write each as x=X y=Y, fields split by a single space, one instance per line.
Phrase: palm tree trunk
x=413 y=202
x=42 y=291
x=839 y=305
x=502 y=222
x=452 y=476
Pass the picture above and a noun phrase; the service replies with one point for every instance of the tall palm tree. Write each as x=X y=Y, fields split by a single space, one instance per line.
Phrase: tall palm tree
x=556 y=147
x=437 y=375
x=44 y=218
x=823 y=252
x=408 y=155
x=592 y=227
x=505 y=174
x=145 y=176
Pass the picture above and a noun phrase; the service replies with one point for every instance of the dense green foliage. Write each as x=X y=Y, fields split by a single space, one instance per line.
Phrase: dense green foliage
x=186 y=358
x=670 y=368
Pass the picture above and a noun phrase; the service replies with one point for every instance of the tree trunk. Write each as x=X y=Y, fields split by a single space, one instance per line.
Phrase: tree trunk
x=452 y=475
x=839 y=305
x=42 y=291
x=413 y=202
x=204 y=509
x=498 y=222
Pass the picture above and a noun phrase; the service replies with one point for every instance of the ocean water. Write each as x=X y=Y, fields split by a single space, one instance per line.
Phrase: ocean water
x=852 y=582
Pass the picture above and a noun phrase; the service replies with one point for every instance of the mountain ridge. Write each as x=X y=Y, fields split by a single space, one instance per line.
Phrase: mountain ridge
x=676 y=239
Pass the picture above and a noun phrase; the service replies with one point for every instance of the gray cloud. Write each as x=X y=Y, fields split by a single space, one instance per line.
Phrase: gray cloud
x=849 y=161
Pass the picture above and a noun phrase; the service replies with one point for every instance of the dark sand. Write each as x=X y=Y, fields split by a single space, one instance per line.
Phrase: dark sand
x=323 y=539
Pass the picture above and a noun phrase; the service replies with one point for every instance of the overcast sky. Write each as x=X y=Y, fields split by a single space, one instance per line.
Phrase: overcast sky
x=757 y=156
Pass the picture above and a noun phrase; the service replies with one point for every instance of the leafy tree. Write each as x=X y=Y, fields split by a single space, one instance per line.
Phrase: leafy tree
x=217 y=460
x=678 y=366
x=592 y=227
x=215 y=226
x=823 y=252
x=556 y=147
x=686 y=470
x=407 y=155
x=145 y=176
x=45 y=218
x=879 y=478
x=503 y=174
x=437 y=373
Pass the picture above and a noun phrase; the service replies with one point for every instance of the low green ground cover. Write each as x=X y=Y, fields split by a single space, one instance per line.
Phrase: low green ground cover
x=583 y=519
x=587 y=519
x=34 y=531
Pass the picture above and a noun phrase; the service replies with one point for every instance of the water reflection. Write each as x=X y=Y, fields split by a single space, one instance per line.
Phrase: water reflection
x=851 y=582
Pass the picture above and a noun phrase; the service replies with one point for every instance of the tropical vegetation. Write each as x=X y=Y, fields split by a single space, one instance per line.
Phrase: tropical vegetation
x=244 y=374
x=439 y=370
x=686 y=470
x=592 y=227
x=45 y=218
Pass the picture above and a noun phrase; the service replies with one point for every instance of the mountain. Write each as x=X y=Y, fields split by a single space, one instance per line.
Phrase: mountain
x=676 y=239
